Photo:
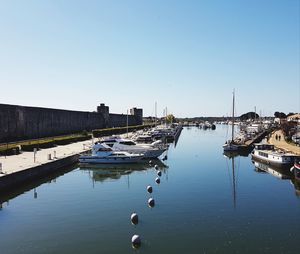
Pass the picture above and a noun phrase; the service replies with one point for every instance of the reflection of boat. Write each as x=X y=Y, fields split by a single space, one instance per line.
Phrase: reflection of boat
x=296 y=169
x=266 y=153
x=230 y=154
x=234 y=182
x=282 y=173
x=102 y=172
x=279 y=172
x=102 y=153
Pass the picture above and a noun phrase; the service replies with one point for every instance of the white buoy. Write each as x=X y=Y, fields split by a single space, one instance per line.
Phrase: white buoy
x=151 y=202
x=149 y=189
x=157 y=180
x=156 y=167
x=159 y=173
x=136 y=241
x=134 y=218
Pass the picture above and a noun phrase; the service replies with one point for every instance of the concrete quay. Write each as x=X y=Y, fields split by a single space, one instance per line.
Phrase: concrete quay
x=27 y=166
x=21 y=168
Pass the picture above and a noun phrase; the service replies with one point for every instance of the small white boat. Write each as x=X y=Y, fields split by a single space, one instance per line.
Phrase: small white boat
x=267 y=153
x=103 y=154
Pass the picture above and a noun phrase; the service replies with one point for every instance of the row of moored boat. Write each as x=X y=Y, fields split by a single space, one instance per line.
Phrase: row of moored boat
x=117 y=150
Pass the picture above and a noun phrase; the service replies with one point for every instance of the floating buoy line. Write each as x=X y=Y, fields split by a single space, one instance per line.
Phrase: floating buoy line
x=134 y=218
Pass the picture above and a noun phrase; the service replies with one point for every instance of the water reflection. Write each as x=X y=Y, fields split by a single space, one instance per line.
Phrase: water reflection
x=230 y=154
x=104 y=172
x=32 y=185
x=232 y=167
x=279 y=172
x=283 y=173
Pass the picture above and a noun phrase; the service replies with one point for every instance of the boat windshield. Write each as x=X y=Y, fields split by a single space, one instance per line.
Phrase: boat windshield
x=128 y=143
x=104 y=149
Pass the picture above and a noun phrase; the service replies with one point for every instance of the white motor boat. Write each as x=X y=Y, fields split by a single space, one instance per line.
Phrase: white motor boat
x=152 y=150
x=103 y=154
x=267 y=153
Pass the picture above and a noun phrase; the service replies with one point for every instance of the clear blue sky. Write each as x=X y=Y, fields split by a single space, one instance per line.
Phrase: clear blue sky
x=186 y=55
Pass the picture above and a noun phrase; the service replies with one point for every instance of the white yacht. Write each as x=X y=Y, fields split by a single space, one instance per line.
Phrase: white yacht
x=152 y=150
x=104 y=154
x=267 y=153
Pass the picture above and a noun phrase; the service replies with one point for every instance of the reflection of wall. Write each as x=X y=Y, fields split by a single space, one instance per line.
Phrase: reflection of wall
x=20 y=122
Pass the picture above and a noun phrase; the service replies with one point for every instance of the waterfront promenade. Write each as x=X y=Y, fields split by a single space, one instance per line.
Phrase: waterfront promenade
x=15 y=163
x=282 y=144
x=25 y=160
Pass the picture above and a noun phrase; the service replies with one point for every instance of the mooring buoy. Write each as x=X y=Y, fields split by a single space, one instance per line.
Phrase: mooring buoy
x=149 y=189
x=157 y=180
x=136 y=241
x=151 y=202
x=134 y=218
x=159 y=173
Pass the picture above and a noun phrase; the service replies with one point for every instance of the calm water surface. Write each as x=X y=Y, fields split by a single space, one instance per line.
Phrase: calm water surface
x=202 y=206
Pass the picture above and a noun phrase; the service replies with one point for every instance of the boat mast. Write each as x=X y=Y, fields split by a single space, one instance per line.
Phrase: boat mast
x=166 y=115
x=232 y=129
x=127 y=123
x=155 y=113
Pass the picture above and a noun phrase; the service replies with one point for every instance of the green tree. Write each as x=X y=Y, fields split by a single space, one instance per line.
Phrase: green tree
x=170 y=118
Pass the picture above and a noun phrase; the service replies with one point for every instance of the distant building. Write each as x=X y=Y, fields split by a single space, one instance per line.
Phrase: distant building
x=294 y=118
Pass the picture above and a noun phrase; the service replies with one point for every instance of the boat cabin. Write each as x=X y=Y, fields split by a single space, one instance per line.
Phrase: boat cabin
x=264 y=147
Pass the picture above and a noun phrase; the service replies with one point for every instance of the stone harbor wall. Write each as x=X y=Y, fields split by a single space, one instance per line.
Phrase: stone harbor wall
x=21 y=122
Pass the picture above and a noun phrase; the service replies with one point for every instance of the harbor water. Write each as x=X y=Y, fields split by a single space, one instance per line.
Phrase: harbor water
x=205 y=203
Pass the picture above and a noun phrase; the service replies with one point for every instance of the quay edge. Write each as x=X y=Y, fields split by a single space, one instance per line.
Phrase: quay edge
x=25 y=176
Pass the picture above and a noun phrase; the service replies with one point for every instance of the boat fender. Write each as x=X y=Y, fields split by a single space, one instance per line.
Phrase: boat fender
x=159 y=173
x=134 y=218
x=149 y=189
x=136 y=241
x=156 y=167
x=151 y=202
x=157 y=180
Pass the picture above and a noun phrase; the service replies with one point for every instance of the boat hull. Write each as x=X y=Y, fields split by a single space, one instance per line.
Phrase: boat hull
x=279 y=164
x=107 y=160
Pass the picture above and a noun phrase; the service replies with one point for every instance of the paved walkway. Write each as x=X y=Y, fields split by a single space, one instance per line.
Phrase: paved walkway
x=25 y=160
x=282 y=144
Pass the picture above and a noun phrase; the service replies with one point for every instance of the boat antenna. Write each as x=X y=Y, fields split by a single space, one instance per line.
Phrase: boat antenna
x=127 y=123
x=155 y=113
